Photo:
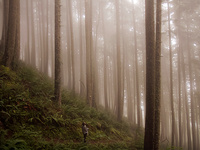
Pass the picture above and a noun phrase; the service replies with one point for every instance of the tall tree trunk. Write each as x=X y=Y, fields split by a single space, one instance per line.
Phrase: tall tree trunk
x=150 y=69
x=52 y=39
x=157 y=76
x=81 y=86
x=171 y=80
x=33 y=50
x=139 y=119
x=5 y=27
x=45 y=36
x=57 y=90
x=129 y=97
x=119 y=78
x=193 y=107
x=94 y=70
x=11 y=34
x=40 y=35
x=105 y=61
x=105 y=76
x=179 y=83
x=88 y=30
x=188 y=134
x=180 y=97
x=69 y=59
x=72 y=44
x=15 y=58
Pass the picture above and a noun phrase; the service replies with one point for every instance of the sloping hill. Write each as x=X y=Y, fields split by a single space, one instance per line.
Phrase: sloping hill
x=29 y=119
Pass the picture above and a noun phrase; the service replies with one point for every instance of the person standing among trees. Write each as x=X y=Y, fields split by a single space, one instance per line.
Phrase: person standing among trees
x=85 y=131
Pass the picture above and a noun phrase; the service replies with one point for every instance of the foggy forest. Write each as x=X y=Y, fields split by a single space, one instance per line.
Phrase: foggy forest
x=137 y=59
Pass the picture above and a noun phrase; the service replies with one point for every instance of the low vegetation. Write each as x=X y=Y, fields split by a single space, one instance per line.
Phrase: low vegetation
x=31 y=120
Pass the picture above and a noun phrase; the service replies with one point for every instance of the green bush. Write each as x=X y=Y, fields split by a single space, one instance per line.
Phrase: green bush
x=15 y=144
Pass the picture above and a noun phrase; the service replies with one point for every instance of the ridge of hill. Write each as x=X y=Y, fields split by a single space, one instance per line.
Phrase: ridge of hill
x=29 y=119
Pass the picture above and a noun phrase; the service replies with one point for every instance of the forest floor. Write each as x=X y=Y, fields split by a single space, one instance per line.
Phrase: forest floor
x=29 y=118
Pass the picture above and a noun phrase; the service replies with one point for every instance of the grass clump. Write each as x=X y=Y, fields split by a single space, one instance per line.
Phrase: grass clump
x=29 y=118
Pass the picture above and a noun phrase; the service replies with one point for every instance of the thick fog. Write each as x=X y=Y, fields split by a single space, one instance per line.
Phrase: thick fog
x=103 y=54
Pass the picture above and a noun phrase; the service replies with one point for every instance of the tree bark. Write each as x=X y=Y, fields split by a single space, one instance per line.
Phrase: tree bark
x=81 y=85
x=150 y=69
x=179 y=84
x=119 y=76
x=139 y=119
x=16 y=55
x=171 y=80
x=33 y=50
x=72 y=45
x=188 y=133
x=57 y=90
x=69 y=59
x=89 y=45
x=157 y=76
x=5 y=27
x=192 y=106
x=11 y=34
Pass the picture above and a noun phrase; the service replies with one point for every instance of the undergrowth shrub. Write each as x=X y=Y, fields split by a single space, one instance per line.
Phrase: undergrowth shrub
x=40 y=85
x=15 y=144
x=31 y=119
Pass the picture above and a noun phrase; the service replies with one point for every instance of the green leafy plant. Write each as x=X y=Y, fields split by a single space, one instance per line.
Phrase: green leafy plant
x=31 y=119
x=15 y=144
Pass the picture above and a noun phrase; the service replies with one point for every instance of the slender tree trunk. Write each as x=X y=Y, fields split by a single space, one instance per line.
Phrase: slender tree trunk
x=150 y=69
x=69 y=59
x=81 y=52
x=129 y=97
x=157 y=76
x=57 y=53
x=179 y=84
x=17 y=37
x=197 y=118
x=94 y=70
x=139 y=119
x=134 y=93
x=88 y=30
x=180 y=98
x=33 y=50
x=105 y=63
x=45 y=30
x=52 y=43
x=171 y=81
x=188 y=134
x=123 y=54
x=38 y=34
x=119 y=85
x=191 y=94
x=43 y=38
x=5 y=27
x=72 y=45
x=105 y=78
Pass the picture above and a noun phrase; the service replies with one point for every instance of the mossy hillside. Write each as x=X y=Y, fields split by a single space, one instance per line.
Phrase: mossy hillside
x=31 y=120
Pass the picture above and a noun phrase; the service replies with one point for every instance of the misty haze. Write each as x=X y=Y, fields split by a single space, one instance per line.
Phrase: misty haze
x=135 y=61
